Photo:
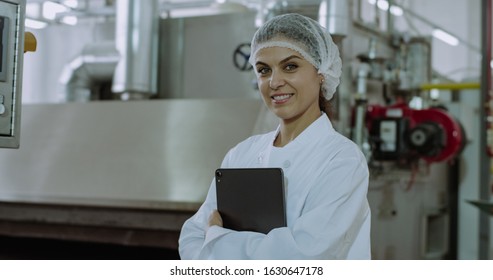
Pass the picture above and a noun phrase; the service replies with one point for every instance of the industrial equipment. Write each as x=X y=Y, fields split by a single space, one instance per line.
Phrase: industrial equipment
x=394 y=130
x=399 y=132
x=12 y=14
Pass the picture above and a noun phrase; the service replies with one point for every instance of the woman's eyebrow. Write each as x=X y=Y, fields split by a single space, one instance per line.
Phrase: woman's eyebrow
x=289 y=58
x=280 y=62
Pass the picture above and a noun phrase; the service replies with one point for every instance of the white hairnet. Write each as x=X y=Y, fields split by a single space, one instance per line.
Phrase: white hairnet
x=307 y=37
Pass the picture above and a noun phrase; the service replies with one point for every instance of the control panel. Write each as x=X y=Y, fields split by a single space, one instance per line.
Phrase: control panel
x=12 y=15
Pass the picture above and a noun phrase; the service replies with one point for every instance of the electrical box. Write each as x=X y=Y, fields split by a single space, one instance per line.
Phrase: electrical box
x=387 y=135
x=12 y=15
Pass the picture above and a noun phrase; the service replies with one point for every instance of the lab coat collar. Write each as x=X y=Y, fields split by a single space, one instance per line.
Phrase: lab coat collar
x=321 y=126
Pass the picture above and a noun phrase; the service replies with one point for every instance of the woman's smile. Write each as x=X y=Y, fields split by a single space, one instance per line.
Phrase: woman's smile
x=281 y=98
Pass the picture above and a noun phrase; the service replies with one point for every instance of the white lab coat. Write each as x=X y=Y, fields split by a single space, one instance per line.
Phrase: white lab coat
x=328 y=216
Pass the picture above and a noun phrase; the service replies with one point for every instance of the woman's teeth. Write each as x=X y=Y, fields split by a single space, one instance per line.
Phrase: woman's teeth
x=281 y=97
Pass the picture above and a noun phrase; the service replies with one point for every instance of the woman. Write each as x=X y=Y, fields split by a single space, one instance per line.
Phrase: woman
x=298 y=68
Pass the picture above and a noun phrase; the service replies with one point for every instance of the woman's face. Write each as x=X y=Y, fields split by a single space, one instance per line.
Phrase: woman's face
x=289 y=84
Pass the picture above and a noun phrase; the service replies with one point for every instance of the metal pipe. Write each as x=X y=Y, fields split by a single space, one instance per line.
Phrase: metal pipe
x=390 y=18
x=96 y=63
x=361 y=100
x=136 y=41
x=485 y=111
x=358 y=13
x=377 y=15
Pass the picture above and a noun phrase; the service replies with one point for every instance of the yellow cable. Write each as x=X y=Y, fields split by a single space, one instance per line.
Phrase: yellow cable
x=451 y=86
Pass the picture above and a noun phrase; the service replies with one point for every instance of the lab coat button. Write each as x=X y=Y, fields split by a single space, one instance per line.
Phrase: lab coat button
x=286 y=164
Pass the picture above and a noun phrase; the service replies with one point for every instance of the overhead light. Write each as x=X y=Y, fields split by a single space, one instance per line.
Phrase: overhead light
x=51 y=9
x=33 y=10
x=35 y=24
x=491 y=64
x=71 y=3
x=396 y=11
x=384 y=6
x=70 y=20
x=445 y=37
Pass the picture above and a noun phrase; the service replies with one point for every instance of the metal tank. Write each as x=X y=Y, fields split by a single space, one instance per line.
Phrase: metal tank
x=204 y=53
x=419 y=61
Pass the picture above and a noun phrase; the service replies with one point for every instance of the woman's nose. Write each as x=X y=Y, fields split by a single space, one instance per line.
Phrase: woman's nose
x=276 y=80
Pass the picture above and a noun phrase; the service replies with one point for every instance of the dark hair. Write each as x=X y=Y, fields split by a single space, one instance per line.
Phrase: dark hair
x=325 y=105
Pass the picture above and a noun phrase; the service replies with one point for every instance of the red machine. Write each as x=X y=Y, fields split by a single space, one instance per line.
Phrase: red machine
x=398 y=132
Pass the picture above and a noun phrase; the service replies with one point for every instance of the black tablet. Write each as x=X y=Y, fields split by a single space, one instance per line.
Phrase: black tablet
x=251 y=199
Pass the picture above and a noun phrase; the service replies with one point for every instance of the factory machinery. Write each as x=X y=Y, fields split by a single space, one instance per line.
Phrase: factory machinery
x=125 y=148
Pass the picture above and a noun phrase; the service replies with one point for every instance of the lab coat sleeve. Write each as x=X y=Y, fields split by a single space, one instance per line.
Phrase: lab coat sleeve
x=333 y=215
x=192 y=235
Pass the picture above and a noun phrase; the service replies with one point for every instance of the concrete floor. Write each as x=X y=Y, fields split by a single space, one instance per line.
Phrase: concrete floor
x=14 y=248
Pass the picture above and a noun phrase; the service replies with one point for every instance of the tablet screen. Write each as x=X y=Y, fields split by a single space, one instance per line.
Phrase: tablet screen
x=251 y=199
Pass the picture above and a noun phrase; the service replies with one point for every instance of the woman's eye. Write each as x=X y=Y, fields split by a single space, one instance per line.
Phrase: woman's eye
x=291 y=67
x=263 y=70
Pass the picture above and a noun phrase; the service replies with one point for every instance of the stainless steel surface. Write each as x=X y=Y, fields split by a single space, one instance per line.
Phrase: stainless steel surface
x=137 y=43
x=142 y=154
x=172 y=54
x=13 y=13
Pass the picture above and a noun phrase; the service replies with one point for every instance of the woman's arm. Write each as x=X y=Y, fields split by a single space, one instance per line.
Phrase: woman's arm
x=192 y=235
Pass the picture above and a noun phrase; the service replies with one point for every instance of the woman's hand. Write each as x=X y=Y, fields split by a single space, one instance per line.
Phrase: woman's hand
x=215 y=219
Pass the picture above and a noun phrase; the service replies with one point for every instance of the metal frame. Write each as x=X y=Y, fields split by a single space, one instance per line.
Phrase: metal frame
x=12 y=140
x=484 y=190
x=111 y=225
